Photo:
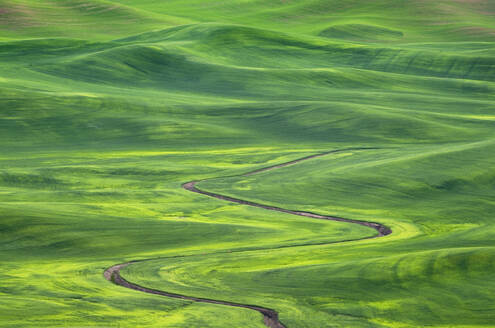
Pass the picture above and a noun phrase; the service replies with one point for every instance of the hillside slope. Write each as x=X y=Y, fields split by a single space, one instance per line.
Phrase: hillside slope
x=107 y=107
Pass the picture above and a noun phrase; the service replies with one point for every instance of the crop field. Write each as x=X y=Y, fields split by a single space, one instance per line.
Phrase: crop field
x=247 y=163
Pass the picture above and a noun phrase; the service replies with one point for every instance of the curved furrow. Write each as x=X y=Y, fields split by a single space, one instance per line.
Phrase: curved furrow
x=380 y=228
x=113 y=274
x=270 y=316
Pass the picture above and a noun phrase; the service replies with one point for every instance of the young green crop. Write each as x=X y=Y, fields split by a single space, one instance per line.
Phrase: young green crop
x=107 y=107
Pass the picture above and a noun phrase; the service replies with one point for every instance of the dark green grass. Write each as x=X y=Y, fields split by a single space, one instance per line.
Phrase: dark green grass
x=107 y=107
x=361 y=32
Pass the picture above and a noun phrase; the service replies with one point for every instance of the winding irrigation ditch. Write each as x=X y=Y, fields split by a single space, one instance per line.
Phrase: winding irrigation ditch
x=270 y=316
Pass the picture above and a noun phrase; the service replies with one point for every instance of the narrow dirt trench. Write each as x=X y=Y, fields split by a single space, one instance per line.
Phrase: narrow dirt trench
x=270 y=316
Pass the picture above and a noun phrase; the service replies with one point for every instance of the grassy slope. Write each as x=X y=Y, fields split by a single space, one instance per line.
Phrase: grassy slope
x=100 y=127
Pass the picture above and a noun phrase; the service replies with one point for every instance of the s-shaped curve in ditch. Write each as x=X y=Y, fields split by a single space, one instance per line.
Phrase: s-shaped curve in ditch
x=270 y=316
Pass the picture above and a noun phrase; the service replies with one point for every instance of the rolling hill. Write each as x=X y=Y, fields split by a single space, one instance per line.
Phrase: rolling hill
x=108 y=107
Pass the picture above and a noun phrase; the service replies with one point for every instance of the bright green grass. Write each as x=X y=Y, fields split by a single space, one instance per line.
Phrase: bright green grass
x=107 y=107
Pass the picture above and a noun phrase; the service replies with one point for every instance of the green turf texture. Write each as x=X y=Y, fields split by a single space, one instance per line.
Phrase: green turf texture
x=107 y=107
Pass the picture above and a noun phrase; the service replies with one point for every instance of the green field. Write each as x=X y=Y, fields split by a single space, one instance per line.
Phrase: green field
x=107 y=107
